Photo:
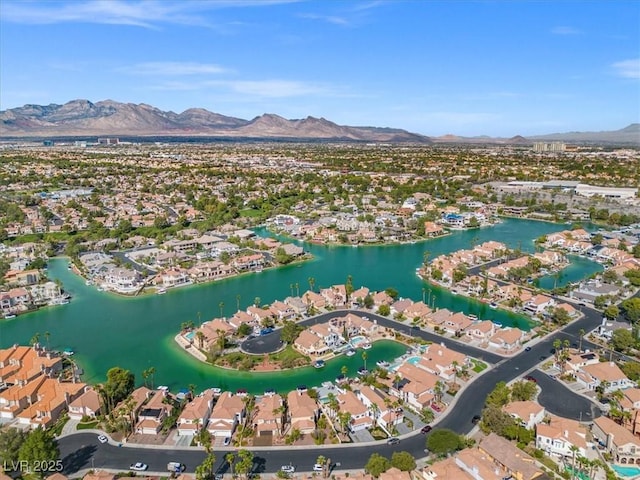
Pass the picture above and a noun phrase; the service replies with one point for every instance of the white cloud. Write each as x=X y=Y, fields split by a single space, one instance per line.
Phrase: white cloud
x=628 y=68
x=565 y=30
x=139 y=13
x=335 y=20
x=174 y=69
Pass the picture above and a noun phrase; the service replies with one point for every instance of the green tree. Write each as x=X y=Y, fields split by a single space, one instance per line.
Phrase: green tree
x=611 y=312
x=631 y=370
x=204 y=471
x=290 y=331
x=523 y=390
x=384 y=310
x=376 y=465
x=38 y=447
x=444 y=441
x=499 y=396
x=622 y=340
x=11 y=439
x=403 y=461
x=631 y=309
x=244 y=465
x=120 y=383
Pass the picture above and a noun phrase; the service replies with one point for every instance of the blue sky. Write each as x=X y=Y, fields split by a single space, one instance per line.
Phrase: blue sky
x=498 y=68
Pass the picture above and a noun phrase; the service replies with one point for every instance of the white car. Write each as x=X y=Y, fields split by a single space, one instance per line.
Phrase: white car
x=138 y=466
x=318 y=468
x=103 y=438
x=288 y=468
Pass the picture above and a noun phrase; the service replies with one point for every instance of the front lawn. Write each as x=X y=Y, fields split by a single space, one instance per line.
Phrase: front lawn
x=478 y=366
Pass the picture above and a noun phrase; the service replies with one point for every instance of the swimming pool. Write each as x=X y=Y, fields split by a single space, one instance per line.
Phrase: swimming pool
x=358 y=341
x=413 y=360
x=626 y=471
x=189 y=335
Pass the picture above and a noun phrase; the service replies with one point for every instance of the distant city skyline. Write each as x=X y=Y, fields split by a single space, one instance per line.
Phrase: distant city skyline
x=466 y=68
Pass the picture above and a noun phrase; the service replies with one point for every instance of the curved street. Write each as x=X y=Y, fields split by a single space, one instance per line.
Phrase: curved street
x=83 y=450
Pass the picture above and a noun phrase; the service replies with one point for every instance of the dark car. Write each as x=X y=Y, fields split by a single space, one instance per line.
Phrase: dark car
x=527 y=349
x=426 y=429
x=476 y=419
x=530 y=378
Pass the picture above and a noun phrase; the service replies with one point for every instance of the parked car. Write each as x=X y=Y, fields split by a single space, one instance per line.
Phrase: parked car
x=393 y=441
x=288 y=468
x=476 y=419
x=426 y=429
x=103 y=438
x=138 y=467
x=226 y=441
x=176 y=467
x=531 y=379
x=527 y=349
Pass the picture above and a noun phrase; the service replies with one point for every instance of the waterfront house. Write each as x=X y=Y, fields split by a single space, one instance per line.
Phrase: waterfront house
x=260 y=315
x=432 y=229
x=442 y=361
x=560 y=435
x=438 y=317
x=241 y=317
x=196 y=413
x=153 y=413
x=527 y=413
x=122 y=280
x=335 y=296
x=86 y=405
x=482 y=330
x=21 y=364
x=507 y=339
x=44 y=399
x=249 y=262
x=282 y=311
x=360 y=418
x=381 y=298
x=174 y=277
x=329 y=336
x=620 y=443
x=213 y=330
x=313 y=299
x=310 y=344
x=607 y=374
x=382 y=414
x=415 y=386
x=227 y=413
x=213 y=270
x=417 y=311
x=539 y=304
x=268 y=415
x=400 y=306
x=302 y=411
x=358 y=296
x=456 y=323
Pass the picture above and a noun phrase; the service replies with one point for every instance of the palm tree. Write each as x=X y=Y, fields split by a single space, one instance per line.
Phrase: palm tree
x=581 y=334
x=200 y=336
x=151 y=371
x=312 y=282
x=47 y=335
x=230 y=458
x=438 y=390
x=238 y=302
x=256 y=301
x=35 y=339
x=221 y=305
x=344 y=370
x=425 y=257
x=291 y=287
x=297 y=289
x=192 y=389
x=573 y=449
x=454 y=364
x=364 y=359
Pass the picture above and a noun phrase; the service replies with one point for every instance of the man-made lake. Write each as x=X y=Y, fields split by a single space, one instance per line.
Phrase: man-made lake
x=137 y=333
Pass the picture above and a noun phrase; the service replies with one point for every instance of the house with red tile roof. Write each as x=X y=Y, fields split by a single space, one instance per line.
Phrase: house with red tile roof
x=227 y=413
x=560 y=435
x=196 y=414
x=528 y=413
x=620 y=443
x=86 y=405
x=507 y=339
x=482 y=330
x=268 y=415
x=457 y=323
x=303 y=411
x=607 y=373
x=382 y=414
x=153 y=413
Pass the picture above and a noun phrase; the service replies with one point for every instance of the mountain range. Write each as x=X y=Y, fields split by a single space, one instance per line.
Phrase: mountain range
x=81 y=118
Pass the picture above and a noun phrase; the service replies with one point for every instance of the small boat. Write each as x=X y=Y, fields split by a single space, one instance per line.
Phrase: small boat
x=64 y=301
x=382 y=363
x=497 y=324
x=68 y=351
x=366 y=346
x=161 y=291
x=350 y=353
x=318 y=364
x=259 y=270
x=472 y=316
x=10 y=315
x=493 y=305
x=363 y=371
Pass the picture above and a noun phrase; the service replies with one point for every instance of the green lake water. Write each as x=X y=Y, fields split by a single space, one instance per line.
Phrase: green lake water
x=106 y=330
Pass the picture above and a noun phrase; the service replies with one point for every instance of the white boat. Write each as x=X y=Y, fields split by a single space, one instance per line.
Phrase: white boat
x=472 y=316
x=493 y=305
x=162 y=291
x=10 y=315
x=382 y=363
x=350 y=353
x=366 y=346
x=318 y=364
